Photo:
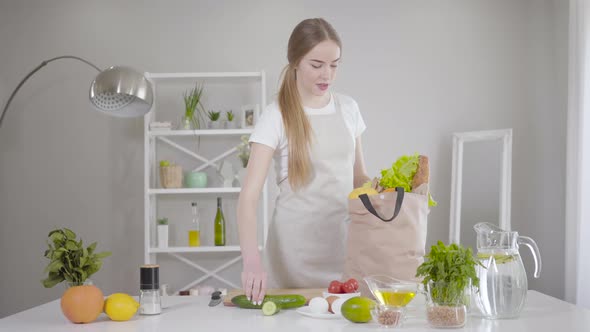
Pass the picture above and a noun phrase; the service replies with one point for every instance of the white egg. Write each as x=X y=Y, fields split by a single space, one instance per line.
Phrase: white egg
x=318 y=305
x=336 y=305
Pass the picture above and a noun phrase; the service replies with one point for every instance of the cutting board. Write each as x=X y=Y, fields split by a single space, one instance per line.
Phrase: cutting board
x=308 y=293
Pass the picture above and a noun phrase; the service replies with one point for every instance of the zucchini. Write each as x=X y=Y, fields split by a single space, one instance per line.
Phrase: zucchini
x=284 y=301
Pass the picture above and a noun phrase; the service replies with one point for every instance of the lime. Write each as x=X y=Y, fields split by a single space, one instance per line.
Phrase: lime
x=120 y=307
x=164 y=163
x=270 y=308
x=358 y=309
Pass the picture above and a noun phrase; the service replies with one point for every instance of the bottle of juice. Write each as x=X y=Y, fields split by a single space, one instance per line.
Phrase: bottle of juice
x=194 y=233
x=219 y=225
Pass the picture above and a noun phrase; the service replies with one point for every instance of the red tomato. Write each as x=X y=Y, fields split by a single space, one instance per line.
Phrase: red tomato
x=348 y=287
x=354 y=283
x=335 y=287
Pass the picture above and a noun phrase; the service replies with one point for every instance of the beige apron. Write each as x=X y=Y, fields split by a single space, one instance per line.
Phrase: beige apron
x=306 y=245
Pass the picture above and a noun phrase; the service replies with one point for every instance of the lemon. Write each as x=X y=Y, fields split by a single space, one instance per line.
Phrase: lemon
x=358 y=309
x=120 y=307
x=362 y=190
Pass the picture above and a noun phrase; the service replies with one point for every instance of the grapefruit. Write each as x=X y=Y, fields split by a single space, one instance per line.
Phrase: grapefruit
x=82 y=304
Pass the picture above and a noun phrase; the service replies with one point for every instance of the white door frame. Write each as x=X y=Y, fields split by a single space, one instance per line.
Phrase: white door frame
x=504 y=135
x=577 y=225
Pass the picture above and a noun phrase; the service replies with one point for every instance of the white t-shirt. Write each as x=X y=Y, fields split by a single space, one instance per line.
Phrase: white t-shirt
x=270 y=130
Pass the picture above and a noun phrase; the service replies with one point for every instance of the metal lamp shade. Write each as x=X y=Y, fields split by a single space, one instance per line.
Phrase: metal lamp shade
x=121 y=92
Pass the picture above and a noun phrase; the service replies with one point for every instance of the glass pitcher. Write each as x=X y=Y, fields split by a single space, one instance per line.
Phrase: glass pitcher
x=502 y=279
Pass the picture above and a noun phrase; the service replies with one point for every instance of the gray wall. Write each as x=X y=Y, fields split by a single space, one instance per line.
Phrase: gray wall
x=420 y=70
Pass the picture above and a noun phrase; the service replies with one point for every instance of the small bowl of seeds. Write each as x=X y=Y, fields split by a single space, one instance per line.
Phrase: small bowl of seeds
x=388 y=315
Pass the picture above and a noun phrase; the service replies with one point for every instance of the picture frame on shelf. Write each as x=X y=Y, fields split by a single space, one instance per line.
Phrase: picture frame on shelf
x=250 y=114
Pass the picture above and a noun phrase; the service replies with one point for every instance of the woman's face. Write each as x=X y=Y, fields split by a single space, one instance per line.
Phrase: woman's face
x=317 y=69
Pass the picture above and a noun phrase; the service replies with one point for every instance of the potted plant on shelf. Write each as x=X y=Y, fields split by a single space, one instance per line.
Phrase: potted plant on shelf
x=448 y=275
x=193 y=108
x=163 y=233
x=170 y=175
x=244 y=150
x=244 y=155
x=214 y=122
x=230 y=117
x=70 y=261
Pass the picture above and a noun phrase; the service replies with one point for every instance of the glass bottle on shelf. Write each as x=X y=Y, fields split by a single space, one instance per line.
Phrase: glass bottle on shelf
x=219 y=225
x=194 y=233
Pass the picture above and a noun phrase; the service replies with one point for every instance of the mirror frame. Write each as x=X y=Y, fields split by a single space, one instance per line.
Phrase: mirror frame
x=459 y=139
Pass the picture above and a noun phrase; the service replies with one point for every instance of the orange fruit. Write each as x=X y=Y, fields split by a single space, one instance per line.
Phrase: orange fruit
x=82 y=304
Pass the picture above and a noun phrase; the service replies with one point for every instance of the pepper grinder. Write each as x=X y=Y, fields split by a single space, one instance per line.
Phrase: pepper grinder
x=150 y=302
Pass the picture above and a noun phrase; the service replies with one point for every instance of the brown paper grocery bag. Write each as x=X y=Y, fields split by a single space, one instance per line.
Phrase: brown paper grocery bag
x=379 y=244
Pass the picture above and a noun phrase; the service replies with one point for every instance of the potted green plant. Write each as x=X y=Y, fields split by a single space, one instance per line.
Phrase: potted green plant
x=69 y=260
x=214 y=122
x=448 y=274
x=170 y=175
x=244 y=155
x=244 y=150
x=230 y=117
x=193 y=108
x=163 y=233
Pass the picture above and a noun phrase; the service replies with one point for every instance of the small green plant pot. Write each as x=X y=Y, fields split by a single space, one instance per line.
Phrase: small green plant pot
x=195 y=180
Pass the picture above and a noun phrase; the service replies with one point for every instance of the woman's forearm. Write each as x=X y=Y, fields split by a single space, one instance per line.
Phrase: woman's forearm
x=247 y=228
x=258 y=164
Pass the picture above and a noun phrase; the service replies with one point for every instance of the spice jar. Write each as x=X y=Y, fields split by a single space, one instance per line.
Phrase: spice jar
x=149 y=290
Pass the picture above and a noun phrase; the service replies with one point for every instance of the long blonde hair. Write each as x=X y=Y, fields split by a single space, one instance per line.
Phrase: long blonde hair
x=306 y=35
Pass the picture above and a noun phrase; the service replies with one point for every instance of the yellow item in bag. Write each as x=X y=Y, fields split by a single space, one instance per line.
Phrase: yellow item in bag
x=362 y=190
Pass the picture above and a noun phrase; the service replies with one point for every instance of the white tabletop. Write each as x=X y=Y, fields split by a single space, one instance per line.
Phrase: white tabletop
x=187 y=313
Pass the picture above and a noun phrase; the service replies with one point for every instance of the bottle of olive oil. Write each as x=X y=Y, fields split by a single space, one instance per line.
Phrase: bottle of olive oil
x=219 y=225
x=194 y=233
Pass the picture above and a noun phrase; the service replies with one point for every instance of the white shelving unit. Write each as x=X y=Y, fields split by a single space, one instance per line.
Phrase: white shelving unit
x=152 y=192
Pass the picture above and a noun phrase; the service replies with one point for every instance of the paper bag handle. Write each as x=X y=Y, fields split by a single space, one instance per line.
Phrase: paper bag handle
x=398 y=204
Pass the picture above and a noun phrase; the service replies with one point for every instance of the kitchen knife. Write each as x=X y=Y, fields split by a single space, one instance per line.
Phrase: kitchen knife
x=215 y=298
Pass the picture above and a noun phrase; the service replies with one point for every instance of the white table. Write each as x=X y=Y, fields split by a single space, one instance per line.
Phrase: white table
x=185 y=313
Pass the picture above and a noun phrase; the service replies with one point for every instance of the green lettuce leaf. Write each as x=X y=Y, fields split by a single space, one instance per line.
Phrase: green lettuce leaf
x=431 y=201
x=401 y=174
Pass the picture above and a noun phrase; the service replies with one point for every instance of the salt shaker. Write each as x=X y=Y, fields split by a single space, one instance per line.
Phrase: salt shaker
x=150 y=302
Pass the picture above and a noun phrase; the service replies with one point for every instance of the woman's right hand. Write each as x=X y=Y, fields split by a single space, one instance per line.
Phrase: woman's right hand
x=254 y=280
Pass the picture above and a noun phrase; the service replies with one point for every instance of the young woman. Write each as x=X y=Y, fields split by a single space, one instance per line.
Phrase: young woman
x=314 y=137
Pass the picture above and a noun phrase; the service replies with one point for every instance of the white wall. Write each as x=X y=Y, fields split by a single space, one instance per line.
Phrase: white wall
x=419 y=70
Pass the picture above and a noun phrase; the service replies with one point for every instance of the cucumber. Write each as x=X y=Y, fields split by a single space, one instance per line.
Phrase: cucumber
x=270 y=308
x=284 y=301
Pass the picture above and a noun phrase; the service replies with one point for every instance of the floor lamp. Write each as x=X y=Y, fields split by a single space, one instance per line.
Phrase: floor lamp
x=117 y=91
